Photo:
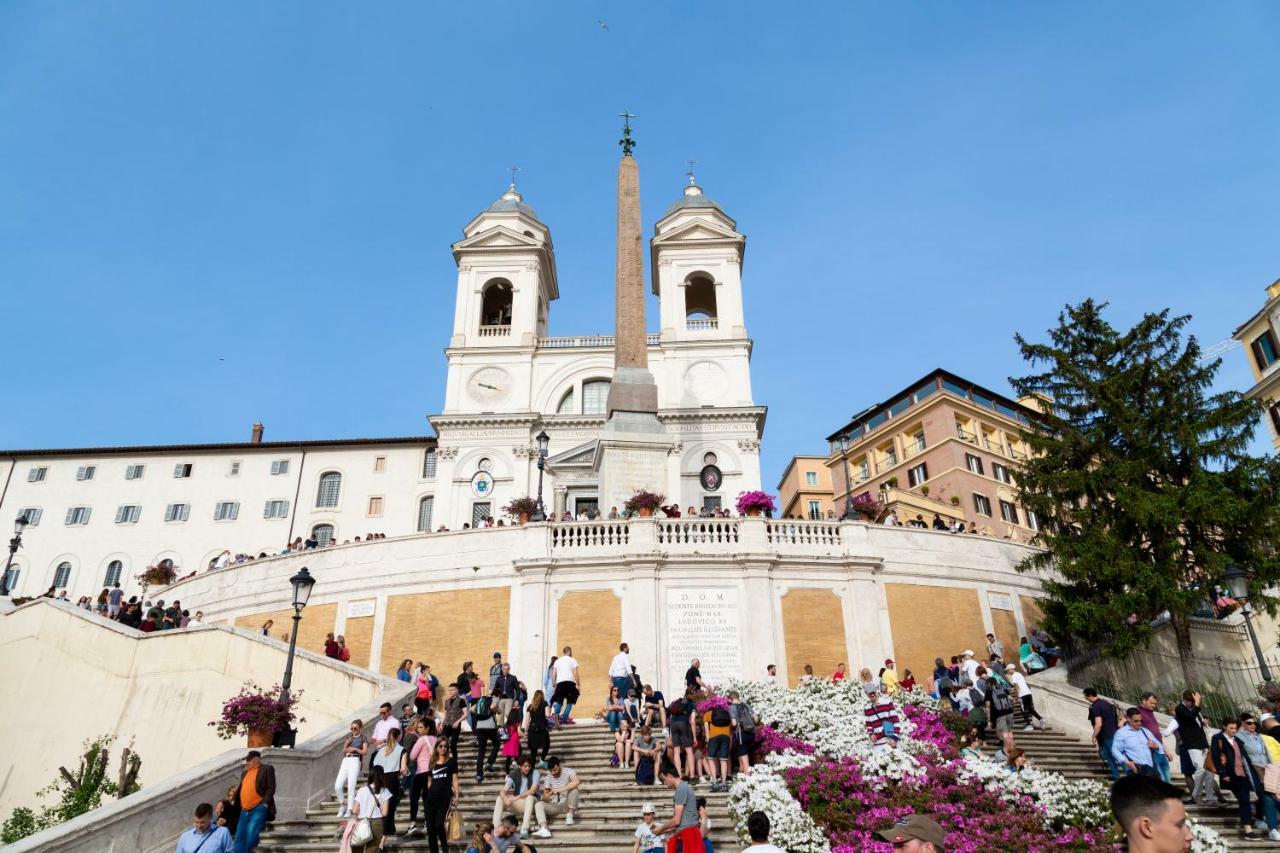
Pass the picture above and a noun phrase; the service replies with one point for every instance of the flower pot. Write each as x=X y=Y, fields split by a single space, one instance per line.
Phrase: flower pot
x=645 y=512
x=260 y=737
x=524 y=518
x=753 y=511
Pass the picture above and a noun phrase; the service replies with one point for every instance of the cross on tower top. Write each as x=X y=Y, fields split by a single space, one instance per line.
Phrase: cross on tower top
x=691 y=163
x=513 y=170
x=626 y=141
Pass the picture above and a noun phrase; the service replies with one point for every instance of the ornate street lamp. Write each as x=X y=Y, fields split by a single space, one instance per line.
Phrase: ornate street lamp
x=302 y=583
x=849 y=514
x=544 y=441
x=1237 y=581
x=19 y=525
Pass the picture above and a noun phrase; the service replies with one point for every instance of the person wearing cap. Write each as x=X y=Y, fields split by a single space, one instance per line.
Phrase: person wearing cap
x=496 y=669
x=969 y=666
x=646 y=840
x=916 y=834
x=889 y=677
x=1029 y=712
x=256 y=797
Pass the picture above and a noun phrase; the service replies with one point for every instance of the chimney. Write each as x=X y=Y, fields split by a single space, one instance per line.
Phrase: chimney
x=256 y=438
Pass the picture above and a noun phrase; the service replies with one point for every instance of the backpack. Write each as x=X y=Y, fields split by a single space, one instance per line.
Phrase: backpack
x=746 y=718
x=720 y=717
x=1000 y=701
x=345 y=654
x=483 y=709
x=678 y=708
x=977 y=697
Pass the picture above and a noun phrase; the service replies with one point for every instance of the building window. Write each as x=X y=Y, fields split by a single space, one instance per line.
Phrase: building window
x=815 y=510
x=379 y=464
x=62 y=575
x=1033 y=520
x=1008 y=512
x=375 y=507
x=1275 y=418
x=479 y=512
x=114 y=569
x=323 y=534
x=981 y=505
x=918 y=441
x=11 y=579
x=86 y=472
x=31 y=514
x=234 y=469
x=890 y=454
x=37 y=475
x=425 y=506
x=864 y=469
x=1265 y=350
x=134 y=472
x=78 y=515
x=128 y=514
x=1000 y=472
x=182 y=470
x=177 y=512
x=595 y=396
x=429 y=464
x=711 y=503
x=226 y=510
x=811 y=478
x=495 y=304
x=330 y=488
x=974 y=464
x=276 y=509
x=917 y=475
x=279 y=466
x=700 y=299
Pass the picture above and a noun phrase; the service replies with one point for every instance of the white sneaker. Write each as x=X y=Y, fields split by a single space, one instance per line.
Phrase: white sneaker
x=1274 y=835
x=543 y=832
x=1029 y=729
x=568 y=820
x=342 y=812
x=666 y=732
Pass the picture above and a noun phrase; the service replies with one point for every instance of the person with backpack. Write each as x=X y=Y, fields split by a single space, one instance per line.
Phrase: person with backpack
x=485 y=727
x=422 y=701
x=678 y=718
x=744 y=732
x=1001 y=703
x=941 y=680
x=718 y=724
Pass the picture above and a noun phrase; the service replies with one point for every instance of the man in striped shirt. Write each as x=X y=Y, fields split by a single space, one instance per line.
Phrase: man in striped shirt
x=882 y=719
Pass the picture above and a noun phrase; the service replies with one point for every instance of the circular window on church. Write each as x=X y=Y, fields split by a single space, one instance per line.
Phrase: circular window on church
x=709 y=459
x=485 y=464
x=710 y=478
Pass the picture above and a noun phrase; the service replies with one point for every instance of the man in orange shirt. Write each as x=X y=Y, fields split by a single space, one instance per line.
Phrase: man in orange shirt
x=257 y=795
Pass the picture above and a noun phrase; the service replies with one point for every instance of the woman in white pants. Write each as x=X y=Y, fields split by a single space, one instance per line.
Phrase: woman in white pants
x=353 y=752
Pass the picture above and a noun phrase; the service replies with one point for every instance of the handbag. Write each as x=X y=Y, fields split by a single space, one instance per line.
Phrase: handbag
x=1271 y=779
x=454 y=829
x=362 y=833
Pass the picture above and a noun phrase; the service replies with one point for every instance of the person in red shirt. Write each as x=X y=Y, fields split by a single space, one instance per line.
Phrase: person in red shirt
x=839 y=674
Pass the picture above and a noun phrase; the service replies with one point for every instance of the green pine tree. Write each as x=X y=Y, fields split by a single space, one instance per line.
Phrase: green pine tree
x=1142 y=475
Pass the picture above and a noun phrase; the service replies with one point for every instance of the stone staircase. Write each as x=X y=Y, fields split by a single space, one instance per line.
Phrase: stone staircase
x=1078 y=759
x=608 y=812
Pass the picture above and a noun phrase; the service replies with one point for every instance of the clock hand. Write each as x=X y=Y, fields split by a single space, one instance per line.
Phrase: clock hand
x=490 y=387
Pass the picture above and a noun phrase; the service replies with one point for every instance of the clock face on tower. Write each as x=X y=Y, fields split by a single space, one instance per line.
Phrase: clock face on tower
x=705 y=381
x=489 y=385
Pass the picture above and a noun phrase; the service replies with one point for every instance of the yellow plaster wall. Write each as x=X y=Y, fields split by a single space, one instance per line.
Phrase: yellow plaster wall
x=591 y=623
x=317 y=621
x=445 y=628
x=930 y=622
x=813 y=633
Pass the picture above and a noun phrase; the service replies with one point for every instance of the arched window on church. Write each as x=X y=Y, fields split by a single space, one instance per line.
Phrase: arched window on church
x=700 y=302
x=566 y=404
x=323 y=534
x=330 y=489
x=595 y=396
x=495 y=308
x=62 y=575
x=114 y=569
x=425 y=508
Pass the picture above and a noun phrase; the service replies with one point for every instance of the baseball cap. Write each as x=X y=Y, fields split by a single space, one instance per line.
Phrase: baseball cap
x=647 y=808
x=888 y=661
x=497 y=654
x=1010 y=668
x=968 y=653
x=916 y=827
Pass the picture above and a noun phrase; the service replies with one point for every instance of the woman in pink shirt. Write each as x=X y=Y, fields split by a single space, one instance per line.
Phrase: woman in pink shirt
x=419 y=762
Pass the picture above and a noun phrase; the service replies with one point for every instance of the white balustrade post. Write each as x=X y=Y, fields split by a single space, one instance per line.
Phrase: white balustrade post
x=752 y=537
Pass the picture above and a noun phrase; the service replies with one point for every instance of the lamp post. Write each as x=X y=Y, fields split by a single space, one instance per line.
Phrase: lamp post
x=848 y=479
x=302 y=583
x=1237 y=581
x=544 y=441
x=19 y=524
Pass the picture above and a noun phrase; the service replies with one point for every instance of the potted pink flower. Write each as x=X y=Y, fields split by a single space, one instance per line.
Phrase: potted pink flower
x=521 y=508
x=755 y=502
x=256 y=713
x=865 y=505
x=643 y=503
x=161 y=574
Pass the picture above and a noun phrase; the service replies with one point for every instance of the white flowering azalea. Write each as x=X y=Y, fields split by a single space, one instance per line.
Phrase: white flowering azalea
x=765 y=790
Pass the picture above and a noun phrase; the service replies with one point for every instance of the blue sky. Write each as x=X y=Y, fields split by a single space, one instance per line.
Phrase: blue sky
x=277 y=185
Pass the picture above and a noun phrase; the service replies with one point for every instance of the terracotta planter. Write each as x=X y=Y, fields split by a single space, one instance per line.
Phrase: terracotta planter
x=754 y=511
x=524 y=518
x=260 y=737
x=645 y=512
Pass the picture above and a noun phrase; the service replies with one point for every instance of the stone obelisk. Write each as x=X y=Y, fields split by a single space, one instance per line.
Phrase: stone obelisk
x=632 y=451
